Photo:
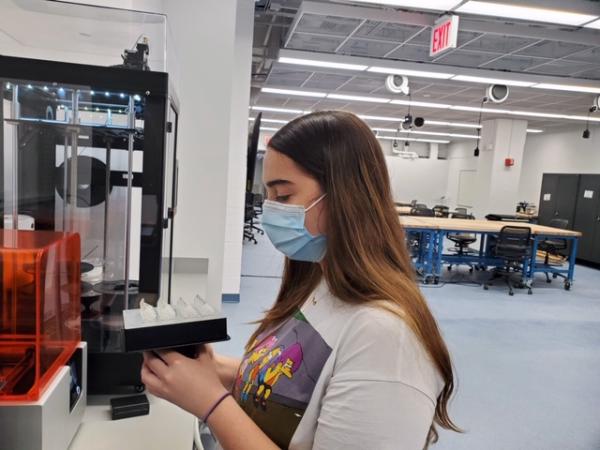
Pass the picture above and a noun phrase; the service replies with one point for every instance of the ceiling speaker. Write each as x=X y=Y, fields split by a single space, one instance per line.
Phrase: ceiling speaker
x=497 y=93
x=419 y=122
x=397 y=84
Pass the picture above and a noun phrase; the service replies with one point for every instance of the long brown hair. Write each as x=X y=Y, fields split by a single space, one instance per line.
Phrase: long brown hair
x=366 y=261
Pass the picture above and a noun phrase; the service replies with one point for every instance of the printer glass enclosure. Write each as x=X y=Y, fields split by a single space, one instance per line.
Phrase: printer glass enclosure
x=40 y=324
x=83 y=150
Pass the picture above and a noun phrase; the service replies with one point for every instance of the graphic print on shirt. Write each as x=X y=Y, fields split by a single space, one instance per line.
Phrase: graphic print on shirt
x=278 y=375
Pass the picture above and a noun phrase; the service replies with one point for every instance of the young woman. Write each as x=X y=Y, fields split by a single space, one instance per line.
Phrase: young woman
x=349 y=356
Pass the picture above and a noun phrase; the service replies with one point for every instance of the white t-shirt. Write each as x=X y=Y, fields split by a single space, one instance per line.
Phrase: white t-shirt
x=340 y=376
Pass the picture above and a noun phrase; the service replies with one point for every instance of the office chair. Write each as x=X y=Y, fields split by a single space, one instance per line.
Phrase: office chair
x=441 y=211
x=513 y=247
x=462 y=242
x=422 y=212
x=420 y=206
x=555 y=245
x=251 y=213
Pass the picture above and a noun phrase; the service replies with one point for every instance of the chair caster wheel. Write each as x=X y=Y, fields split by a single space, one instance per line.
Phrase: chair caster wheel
x=485 y=287
x=436 y=280
x=554 y=275
x=470 y=270
x=511 y=293
x=567 y=285
x=548 y=280
x=449 y=268
x=529 y=292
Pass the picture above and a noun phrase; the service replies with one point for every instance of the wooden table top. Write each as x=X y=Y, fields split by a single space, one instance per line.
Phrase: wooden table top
x=479 y=226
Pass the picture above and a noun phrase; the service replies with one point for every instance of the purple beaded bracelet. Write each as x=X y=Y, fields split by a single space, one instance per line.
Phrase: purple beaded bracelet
x=217 y=403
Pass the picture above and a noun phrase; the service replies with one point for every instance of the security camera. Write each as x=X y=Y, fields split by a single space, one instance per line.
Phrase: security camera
x=397 y=84
x=586 y=134
x=497 y=93
x=394 y=143
x=407 y=122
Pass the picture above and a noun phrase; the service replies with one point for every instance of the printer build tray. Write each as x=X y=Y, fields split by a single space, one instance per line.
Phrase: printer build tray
x=171 y=334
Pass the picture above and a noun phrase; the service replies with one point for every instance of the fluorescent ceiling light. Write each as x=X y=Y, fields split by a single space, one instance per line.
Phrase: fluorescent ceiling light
x=293 y=92
x=534 y=130
x=424 y=104
x=452 y=124
x=466 y=108
x=440 y=5
x=527 y=13
x=595 y=24
x=382 y=118
x=358 y=98
x=279 y=110
x=327 y=64
x=395 y=138
x=268 y=129
x=436 y=133
x=385 y=130
x=486 y=80
x=567 y=87
x=413 y=73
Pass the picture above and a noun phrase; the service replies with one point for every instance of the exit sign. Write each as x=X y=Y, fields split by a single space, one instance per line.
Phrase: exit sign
x=444 y=35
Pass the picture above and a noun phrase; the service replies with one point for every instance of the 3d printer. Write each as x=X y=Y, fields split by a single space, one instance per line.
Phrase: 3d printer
x=91 y=151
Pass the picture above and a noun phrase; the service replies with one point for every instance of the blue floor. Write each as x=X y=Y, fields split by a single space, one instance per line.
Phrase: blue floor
x=528 y=366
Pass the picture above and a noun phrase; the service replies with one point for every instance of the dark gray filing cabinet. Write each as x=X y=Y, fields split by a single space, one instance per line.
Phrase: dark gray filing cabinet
x=587 y=218
x=558 y=197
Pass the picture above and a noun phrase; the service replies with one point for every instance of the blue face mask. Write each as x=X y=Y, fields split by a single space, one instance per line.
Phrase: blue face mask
x=284 y=224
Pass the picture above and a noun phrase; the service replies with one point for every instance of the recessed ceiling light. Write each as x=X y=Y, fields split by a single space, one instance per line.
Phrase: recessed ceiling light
x=567 y=87
x=293 y=92
x=438 y=5
x=528 y=13
x=381 y=118
x=534 y=130
x=595 y=24
x=436 y=133
x=452 y=124
x=268 y=129
x=358 y=98
x=396 y=138
x=413 y=73
x=486 y=80
x=269 y=120
x=279 y=110
x=423 y=104
x=326 y=64
x=384 y=130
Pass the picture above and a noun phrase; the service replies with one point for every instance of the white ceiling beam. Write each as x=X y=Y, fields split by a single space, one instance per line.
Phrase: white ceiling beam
x=429 y=67
x=499 y=26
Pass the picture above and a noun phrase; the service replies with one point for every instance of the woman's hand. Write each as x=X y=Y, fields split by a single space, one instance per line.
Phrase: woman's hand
x=192 y=384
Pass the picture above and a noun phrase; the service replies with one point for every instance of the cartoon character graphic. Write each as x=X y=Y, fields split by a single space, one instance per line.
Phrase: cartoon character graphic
x=287 y=364
x=255 y=371
x=257 y=353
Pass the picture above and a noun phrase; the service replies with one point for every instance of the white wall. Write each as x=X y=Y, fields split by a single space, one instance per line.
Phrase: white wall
x=460 y=158
x=564 y=152
x=236 y=184
x=207 y=84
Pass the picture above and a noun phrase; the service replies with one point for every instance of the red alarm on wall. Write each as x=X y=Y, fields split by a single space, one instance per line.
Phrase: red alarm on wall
x=508 y=162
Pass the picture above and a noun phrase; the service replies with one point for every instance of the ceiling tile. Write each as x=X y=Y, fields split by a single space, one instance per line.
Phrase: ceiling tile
x=366 y=48
x=326 y=81
x=287 y=77
x=591 y=55
x=387 y=31
x=553 y=49
x=498 y=44
x=331 y=25
x=514 y=63
x=314 y=43
x=564 y=68
x=300 y=103
x=466 y=58
x=593 y=74
x=363 y=84
x=411 y=52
